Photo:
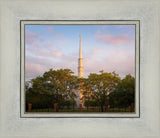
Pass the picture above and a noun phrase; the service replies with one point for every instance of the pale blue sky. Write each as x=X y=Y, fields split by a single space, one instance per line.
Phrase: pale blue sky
x=105 y=47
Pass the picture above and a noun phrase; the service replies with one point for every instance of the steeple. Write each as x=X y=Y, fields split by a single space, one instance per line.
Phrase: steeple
x=80 y=61
x=80 y=48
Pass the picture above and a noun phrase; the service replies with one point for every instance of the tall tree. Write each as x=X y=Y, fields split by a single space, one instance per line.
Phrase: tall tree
x=98 y=85
x=124 y=93
x=60 y=83
x=127 y=84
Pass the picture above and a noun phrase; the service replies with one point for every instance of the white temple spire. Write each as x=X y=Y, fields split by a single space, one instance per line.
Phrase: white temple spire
x=80 y=60
x=80 y=48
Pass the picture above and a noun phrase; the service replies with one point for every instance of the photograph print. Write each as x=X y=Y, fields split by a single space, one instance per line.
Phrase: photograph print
x=79 y=68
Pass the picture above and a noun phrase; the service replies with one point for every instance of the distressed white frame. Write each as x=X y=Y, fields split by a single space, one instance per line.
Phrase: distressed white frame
x=120 y=114
x=12 y=125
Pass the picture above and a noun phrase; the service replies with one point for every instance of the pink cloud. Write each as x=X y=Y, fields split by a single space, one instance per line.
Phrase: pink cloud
x=51 y=30
x=132 y=40
x=111 y=52
x=118 y=53
x=121 y=61
x=49 y=43
x=47 y=53
x=97 y=51
x=31 y=38
x=33 y=68
x=37 y=65
x=113 y=39
x=56 y=53
x=59 y=41
x=123 y=65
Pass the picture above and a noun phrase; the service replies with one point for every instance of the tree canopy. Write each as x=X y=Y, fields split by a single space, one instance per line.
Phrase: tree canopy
x=124 y=93
x=60 y=86
x=97 y=86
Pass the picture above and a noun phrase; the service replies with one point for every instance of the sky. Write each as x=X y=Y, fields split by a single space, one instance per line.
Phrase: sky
x=104 y=47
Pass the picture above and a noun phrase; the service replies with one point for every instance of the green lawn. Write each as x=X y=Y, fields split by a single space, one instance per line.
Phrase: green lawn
x=83 y=110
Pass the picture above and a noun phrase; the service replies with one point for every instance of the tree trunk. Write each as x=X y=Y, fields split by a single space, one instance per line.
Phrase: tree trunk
x=73 y=107
x=101 y=108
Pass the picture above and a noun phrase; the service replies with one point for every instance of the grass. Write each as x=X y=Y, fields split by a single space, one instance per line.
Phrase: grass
x=83 y=110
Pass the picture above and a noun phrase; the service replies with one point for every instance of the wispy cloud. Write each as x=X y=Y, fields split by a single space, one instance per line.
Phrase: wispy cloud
x=121 y=61
x=113 y=39
x=97 y=51
x=51 y=30
x=32 y=38
x=44 y=52
x=34 y=68
x=37 y=65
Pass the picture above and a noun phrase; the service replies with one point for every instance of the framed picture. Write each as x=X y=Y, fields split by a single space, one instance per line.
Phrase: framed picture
x=19 y=17
x=107 y=80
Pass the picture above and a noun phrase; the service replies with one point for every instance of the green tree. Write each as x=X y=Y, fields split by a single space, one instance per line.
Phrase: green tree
x=124 y=93
x=97 y=86
x=60 y=83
